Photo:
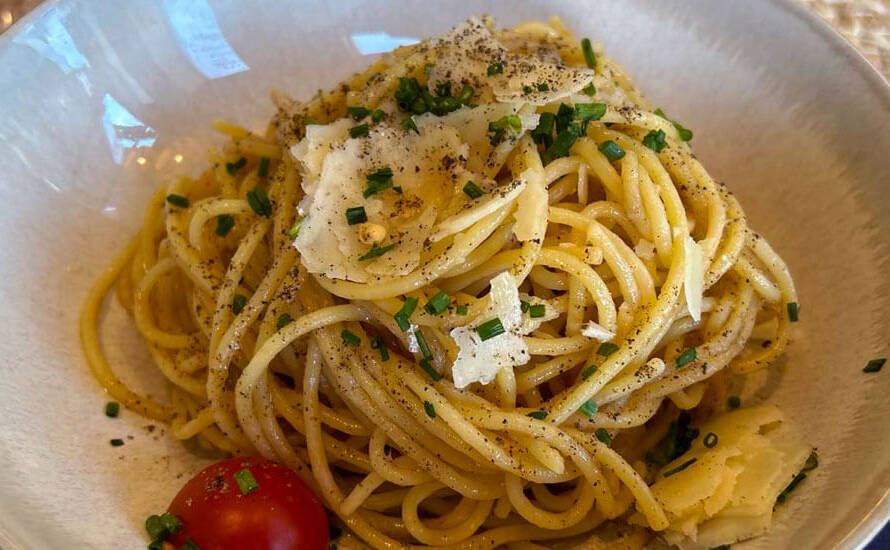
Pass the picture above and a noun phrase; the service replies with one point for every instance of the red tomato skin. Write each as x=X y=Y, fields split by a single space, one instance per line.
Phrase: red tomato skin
x=282 y=514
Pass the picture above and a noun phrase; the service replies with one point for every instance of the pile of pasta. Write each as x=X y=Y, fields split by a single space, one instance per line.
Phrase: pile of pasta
x=476 y=296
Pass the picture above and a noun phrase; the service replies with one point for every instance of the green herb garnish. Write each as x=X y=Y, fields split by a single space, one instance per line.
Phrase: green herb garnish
x=356 y=215
x=680 y=468
x=498 y=129
x=404 y=313
x=734 y=402
x=378 y=344
x=489 y=329
x=238 y=303
x=606 y=349
x=462 y=309
x=294 y=231
x=588 y=371
x=376 y=251
x=685 y=358
x=422 y=344
x=263 y=169
x=116 y=442
x=246 y=482
x=430 y=370
x=438 y=303
x=495 y=68
x=259 y=202
x=358 y=113
x=112 y=409
x=875 y=365
x=178 y=200
x=710 y=440
x=233 y=167
x=684 y=133
x=472 y=190
x=538 y=415
x=283 y=320
x=603 y=435
x=543 y=133
x=350 y=338
x=590 y=90
x=611 y=150
x=792 y=311
x=589 y=56
x=588 y=409
x=589 y=111
x=655 y=140
x=430 y=409
x=224 y=224
x=536 y=311
x=358 y=131
x=378 y=181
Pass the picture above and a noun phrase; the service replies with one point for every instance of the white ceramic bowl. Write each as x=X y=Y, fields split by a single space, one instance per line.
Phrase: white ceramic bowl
x=98 y=100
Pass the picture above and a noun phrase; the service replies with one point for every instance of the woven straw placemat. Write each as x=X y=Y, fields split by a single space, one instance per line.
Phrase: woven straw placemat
x=865 y=23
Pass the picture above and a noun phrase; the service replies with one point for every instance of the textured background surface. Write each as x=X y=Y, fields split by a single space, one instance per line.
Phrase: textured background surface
x=767 y=112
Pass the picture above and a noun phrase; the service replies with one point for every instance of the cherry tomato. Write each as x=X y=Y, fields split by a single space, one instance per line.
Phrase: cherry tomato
x=281 y=513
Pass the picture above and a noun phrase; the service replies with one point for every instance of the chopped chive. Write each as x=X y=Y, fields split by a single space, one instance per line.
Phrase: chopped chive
x=590 y=111
x=543 y=132
x=116 y=442
x=378 y=181
x=238 y=303
x=112 y=409
x=430 y=370
x=783 y=496
x=397 y=189
x=422 y=344
x=792 y=311
x=499 y=128
x=430 y=409
x=523 y=306
x=655 y=140
x=536 y=311
x=378 y=344
x=409 y=124
x=403 y=314
x=233 y=167
x=489 y=329
x=603 y=435
x=680 y=468
x=438 y=303
x=589 y=56
x=527 y=90
x=159 y=527
x=178 y=200
x=710 y=440
x=263 y=169
x=564 y=117
x=875 y=365
x=224 y=224
x=376 y=251
x=358 y=113
x=377 y=115
x=812 y=462
x=495 y=68
x=283 y=320
x=562 y=143
x=294 y=231
x=259 y=202
x=684 y=133
x=356 y=215
x=542 y=87
x=473 y=191
x=590 y=89
x=349 y=338
x=685 y=358
x=588 y=409
x=588 y=372
x=538 y=415
x=611 y=150
x=465 y=94
x=606 y=349
x=246 y=482
x=189 y=545
x=358 y=131
x=734 y=402
x=462 y=309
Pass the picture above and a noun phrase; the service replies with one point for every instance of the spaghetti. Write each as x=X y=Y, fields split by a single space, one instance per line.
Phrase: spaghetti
x=639 y=289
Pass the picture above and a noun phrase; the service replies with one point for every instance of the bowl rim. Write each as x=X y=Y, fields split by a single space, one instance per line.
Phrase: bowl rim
x=879 y=515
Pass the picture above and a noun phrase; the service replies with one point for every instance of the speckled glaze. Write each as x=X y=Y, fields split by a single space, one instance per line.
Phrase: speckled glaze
x=101 y=100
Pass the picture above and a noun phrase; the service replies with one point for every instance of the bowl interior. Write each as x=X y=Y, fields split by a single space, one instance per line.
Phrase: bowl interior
x=100 y=101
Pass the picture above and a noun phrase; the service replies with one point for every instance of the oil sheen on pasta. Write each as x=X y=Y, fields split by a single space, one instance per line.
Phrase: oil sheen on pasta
x=519 y=177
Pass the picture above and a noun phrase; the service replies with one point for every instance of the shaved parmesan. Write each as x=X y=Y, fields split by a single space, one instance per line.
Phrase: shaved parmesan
x=728 y=493
x=480 y=361
x=693 y=278
x=531 y=209
x=597 y=332
x=464 y=54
